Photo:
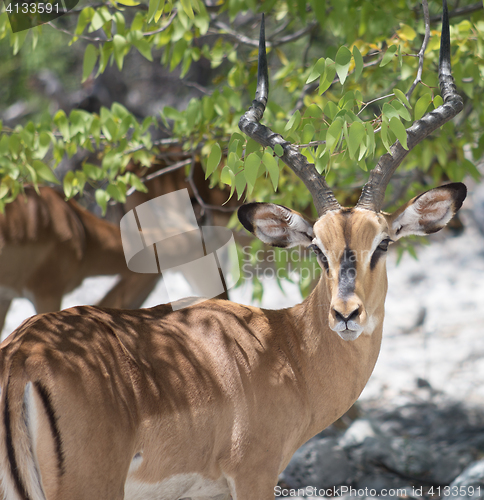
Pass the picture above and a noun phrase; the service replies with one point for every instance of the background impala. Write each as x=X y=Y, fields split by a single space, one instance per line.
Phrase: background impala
x=214 y=399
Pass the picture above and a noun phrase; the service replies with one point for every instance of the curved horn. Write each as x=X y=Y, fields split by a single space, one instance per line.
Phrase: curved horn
x=323 y=197
x=373 y=191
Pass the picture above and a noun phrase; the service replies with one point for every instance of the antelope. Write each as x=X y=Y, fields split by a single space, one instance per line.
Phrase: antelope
x=48 y=246
x=211 y=401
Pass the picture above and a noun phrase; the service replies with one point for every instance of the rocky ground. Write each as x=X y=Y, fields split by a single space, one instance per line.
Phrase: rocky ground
x=419 y=430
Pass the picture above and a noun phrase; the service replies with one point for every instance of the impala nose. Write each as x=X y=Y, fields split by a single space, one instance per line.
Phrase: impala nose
x=346 y=318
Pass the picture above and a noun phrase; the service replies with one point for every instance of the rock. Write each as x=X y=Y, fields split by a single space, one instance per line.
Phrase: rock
x=470 y=484
x=356 y=434
x=375 y=483
x=449 y=462
x=411 y=457
x=320 y=464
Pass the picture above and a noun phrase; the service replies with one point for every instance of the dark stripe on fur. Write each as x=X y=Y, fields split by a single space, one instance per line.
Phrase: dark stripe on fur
x=12 y=460
x=347 y=273
x=53 y=423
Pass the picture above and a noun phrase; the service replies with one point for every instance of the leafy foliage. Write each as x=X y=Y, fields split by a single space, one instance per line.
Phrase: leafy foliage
x=337 y=92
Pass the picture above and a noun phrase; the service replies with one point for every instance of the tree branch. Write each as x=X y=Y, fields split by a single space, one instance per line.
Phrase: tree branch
x=158 y=173
x=204 y=206
x=239 y=37
x=105 y=40
x=461 y=11
x=421 y=53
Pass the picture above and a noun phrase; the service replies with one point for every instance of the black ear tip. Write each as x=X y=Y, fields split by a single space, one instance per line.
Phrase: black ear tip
x=460 y=193
x=245 y=214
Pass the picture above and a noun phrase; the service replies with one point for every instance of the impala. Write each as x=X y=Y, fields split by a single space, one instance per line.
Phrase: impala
x=48 y=246
x=213 y=400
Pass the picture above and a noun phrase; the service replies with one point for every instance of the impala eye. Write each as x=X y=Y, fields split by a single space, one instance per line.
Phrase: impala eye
x=383 y=246
x=316 y=249
x=320 y=255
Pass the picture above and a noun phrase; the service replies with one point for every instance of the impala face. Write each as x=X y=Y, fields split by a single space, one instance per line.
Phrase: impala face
x=351 y=246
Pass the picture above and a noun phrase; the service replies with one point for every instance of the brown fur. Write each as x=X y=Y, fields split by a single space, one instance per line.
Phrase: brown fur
x=48 y=246
x=221 y=390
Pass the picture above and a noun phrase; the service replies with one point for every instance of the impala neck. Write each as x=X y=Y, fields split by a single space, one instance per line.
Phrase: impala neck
x=336 y=370
x=104 y=250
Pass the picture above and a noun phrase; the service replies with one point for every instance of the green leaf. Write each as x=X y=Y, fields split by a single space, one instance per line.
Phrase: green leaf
x=317 y=70
x=406 y=32
x=135 y=181
x=421 y=106
x=402 y=97
x=117 y=192
x=92 y=171
x=120 y=45
x=14 y=145
x=90 y=58
x=402 y=110
x=44 y=144
x=44 y=172
x=389 y=111
x=358 y=62
x=308 y=133
x=144 y=48
x=153 y=7
x=4 y=190
x=384 y=135
x=187 y=8
x=129 y=3
x=272 y=166
x=60 y=119
x=356 y=134
x=293 y=122
x=397 y=127
x=85 y=18
x=100 y=17
x=240 y=184
x=322 y=162
x=251 y=168
x=228 y=177
x=327 y=77
x=102 y=198
x=370 y=138
x=388 y=55
x=279 y=150
x=333 y=134
x=438 y=101
x=471 y=169
x=67 y=183
x=252 y=146
x=342 y=63
x=213 y=160
x=106 y=52
x=319 y=9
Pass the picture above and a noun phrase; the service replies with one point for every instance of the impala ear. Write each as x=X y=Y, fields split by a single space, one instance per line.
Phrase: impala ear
x=276 y=225
x=428 y=212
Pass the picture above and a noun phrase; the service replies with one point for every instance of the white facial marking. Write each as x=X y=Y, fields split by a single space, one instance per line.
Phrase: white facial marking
x=350 y=334
x=136 y=462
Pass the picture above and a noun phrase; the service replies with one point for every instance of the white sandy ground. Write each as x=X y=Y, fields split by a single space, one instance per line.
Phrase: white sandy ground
x=446 y=284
